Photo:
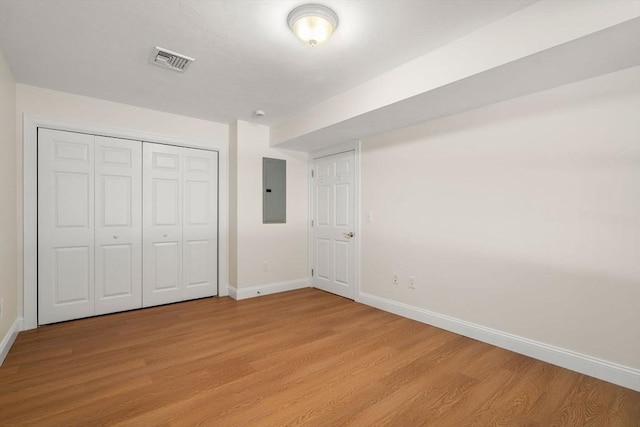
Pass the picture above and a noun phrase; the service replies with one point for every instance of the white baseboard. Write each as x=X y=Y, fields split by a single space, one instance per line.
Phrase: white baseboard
x=9 y=338
x=223 y=291
x=266 y=289
x=601 y=369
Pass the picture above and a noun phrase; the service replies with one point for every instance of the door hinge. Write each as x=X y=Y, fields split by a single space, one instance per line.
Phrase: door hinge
x=311 y=173
x=312 y=272
x=312 y=223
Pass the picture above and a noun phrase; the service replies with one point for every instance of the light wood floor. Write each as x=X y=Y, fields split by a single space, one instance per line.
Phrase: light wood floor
x=297 y=358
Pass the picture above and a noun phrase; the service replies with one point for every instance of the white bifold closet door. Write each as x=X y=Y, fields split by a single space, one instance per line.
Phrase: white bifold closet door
x=89 y=225
x=180 y=199
x=118 y=230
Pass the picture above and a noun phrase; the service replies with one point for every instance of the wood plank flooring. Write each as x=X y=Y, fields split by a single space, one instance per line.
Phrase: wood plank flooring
x=298 y=358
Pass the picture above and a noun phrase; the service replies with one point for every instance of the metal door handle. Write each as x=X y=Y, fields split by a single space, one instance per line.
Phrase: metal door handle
x=115 y=236
x=165 y=235
x=349 y=235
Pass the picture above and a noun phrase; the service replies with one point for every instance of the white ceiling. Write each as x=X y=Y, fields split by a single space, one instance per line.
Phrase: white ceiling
x=246 y=57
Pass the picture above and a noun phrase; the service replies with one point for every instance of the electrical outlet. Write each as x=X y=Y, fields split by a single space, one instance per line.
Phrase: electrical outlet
x=395 y=278
x=412 y=282
x=369 y=217
x=265 y=266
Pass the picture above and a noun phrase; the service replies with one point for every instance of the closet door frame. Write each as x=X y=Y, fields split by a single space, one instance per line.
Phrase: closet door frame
x=31 y=123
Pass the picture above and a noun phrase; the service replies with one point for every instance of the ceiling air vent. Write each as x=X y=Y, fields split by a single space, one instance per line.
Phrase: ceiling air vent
x=171 y=60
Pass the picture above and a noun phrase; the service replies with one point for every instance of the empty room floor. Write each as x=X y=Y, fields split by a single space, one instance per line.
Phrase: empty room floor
x=304 y=357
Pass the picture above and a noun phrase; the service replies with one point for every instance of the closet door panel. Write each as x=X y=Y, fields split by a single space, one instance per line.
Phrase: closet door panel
x=65 y=226
x=118 y=230
x=166 y=271
x=162 y=224
x=200 y=233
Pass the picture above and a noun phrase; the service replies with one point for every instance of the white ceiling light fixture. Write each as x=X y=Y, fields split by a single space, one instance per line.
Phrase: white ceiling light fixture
x=313 y=24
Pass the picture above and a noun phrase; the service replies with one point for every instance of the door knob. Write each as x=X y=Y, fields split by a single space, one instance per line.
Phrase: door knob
x=349 y=235
x=165 y=235
x=115 y=236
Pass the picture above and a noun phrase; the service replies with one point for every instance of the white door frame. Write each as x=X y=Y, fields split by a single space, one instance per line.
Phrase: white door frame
x=31 y=123
x=337 y=149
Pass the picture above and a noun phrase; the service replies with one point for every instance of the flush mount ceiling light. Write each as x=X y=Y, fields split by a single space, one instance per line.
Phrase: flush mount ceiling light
x=312 y=23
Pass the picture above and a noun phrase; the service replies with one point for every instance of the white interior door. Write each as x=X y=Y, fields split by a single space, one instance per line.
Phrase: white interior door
x=162 y=219
x=65 y=226
x=118 y=227
x=333 y=248
x=200 y=223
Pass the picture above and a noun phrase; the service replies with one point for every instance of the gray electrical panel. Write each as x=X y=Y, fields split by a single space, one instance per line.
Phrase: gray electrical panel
x=274 y=191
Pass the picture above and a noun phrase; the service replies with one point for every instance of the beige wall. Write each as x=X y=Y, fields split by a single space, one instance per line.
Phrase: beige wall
x=92 y=111
x=283 y=246
x=8 y=188
x=522 y=216
x=85 y=110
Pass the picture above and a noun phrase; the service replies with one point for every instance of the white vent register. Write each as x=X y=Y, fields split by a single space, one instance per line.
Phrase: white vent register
x=171 y=60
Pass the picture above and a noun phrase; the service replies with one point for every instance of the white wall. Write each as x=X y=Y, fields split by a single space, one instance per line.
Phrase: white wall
x=8 y=188
x=283 y=246
x=522 y=216
x=92 y=111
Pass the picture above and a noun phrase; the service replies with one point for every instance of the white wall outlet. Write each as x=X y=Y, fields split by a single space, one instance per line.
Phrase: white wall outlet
x=265 y=266
x=395 y=278
x=369 y=218
x=412 y=282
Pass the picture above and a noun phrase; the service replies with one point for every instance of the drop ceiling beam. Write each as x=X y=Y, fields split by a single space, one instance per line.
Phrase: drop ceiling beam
x=545 y=45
